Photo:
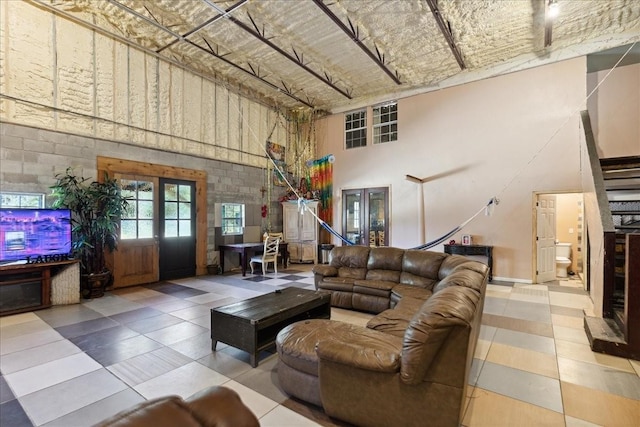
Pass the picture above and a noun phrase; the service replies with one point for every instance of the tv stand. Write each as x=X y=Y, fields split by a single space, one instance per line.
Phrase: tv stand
x=28 y=287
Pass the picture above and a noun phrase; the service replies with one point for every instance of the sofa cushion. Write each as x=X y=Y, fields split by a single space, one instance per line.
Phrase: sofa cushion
x=450 y=308
x=385 y=263
x=462 y=277
x=420 y=268
x=296 y=343
x=352 y=273
x=373 y=287
x=337 y=284
x=454 y=262
x=401 y=291
x=352 y=256
x=386 y=275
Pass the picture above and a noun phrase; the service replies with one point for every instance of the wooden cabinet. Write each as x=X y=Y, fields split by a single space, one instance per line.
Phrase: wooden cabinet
x=28 y=287
x=300 y=229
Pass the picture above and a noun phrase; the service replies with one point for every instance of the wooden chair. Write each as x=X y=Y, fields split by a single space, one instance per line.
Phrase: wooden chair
x=281 y=237
x=270 y=254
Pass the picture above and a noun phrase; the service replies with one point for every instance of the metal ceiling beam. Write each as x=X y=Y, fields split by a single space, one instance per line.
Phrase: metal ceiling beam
x=445 y=28
x=295 y=60
x=209 y=21
x=286 y=91
x=354 y=36
x=179 y=37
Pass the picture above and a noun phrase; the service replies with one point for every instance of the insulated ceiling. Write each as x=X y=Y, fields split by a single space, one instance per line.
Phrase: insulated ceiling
x=338 y=54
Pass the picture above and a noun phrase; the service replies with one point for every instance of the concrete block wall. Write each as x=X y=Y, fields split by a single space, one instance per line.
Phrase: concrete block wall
x=30 y=157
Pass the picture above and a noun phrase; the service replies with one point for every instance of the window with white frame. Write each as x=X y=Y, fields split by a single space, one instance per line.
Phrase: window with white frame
x=355 y=129
x=232 y=219
x=385 y=123
x=22 y=200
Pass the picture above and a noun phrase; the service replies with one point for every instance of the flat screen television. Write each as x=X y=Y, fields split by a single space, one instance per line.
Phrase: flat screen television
x=34 y=235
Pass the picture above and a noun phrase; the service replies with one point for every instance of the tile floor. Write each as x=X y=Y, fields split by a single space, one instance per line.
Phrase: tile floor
x=76 y=365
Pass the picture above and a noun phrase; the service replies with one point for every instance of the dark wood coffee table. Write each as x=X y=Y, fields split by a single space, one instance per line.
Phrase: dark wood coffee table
x=252 y=325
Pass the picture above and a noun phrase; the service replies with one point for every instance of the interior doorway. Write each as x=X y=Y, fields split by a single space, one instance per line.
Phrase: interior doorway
x=558 y=222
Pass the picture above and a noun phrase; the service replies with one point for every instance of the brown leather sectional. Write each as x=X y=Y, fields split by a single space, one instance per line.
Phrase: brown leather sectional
x=411 y=364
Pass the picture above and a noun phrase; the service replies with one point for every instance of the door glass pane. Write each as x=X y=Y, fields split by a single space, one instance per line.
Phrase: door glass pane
x=145 y=190
x=185 y=193
x=170 y=228
x=185 y=228
x=128 y=229
x=184 y=210
x=353 y=211
x=145 y=229
x=171 y=192
x=171 y=210
x=139 y=209
x=377 y=218
x=145 y=209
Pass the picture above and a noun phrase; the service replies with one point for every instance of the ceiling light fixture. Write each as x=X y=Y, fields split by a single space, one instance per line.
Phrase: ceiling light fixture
x=550 y=13
x=554 y=8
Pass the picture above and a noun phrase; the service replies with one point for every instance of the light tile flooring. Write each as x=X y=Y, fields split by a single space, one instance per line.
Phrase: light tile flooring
x=76 y=365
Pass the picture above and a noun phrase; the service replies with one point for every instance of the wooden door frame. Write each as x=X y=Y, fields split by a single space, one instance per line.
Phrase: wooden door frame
x=112 y=165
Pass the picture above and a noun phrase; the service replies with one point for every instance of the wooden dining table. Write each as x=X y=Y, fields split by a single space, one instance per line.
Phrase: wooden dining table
x=246 y=250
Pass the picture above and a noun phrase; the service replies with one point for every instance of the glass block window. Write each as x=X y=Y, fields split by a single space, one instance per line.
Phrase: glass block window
x=137 y=221
x=22 y=200
x=355 y=129
x=232 y=219
x=385 y=123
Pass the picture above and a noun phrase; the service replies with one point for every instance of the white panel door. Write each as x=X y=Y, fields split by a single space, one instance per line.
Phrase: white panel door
x=546 y=238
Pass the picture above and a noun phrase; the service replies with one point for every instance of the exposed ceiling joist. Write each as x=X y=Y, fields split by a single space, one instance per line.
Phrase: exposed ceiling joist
x=446 y=32
x=491 y=37
x=286 y=90
x=295 y=59
x=220 y=15
x=377 y=58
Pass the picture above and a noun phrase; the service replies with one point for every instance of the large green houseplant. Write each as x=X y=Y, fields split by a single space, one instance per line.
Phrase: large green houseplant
x=96 y=209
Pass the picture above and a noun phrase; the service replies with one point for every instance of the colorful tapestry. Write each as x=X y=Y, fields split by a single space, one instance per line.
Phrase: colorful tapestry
x=321 y=174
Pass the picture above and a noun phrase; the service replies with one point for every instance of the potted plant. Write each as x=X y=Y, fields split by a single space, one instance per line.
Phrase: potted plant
x=96 y=209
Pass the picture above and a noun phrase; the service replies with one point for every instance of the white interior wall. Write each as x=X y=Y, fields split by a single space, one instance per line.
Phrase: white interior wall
x=615 y=111
x=507 y=137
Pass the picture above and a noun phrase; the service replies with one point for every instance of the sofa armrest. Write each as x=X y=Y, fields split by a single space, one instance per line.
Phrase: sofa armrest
x=362 y=354
x=324 y=270
x=220 y=406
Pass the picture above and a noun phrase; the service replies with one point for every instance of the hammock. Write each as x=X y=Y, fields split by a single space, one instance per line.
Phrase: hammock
x=486 y=208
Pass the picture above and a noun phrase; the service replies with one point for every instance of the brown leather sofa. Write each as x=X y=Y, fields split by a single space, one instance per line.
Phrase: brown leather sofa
x=213 y=407
x=410 y=365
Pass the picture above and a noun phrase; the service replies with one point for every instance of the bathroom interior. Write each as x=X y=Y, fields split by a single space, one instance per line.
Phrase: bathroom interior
x=569 y=236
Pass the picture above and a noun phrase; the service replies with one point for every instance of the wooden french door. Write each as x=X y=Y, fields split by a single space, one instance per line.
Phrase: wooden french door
x=136 y=260
x=177 y=229
x=365 y=216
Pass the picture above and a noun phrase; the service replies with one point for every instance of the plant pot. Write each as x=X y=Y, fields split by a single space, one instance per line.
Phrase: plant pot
x=93 y=285
x=213 y=269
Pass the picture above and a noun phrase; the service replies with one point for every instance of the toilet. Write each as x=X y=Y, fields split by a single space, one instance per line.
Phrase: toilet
x=563 y=258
